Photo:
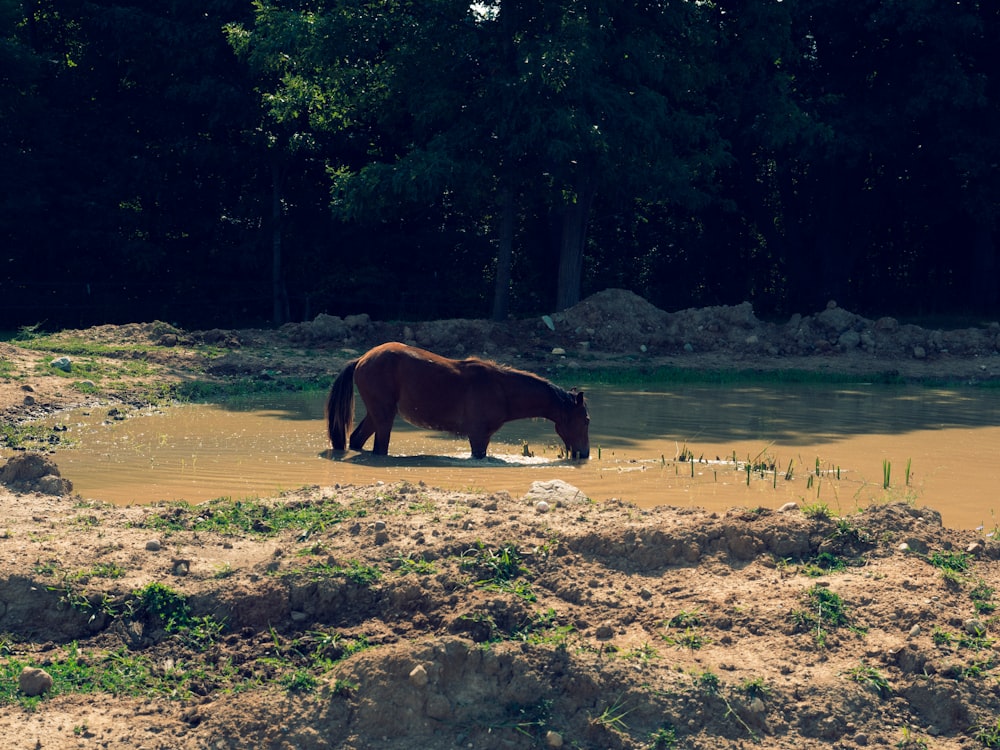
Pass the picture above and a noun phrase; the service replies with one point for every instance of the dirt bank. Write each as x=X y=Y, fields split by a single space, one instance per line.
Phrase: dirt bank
x=404 y=616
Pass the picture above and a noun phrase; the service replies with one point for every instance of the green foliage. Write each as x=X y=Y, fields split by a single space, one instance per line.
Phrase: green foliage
x=499 y=569
x=957 y=562
x=664 y=738
x=871 y=678
x=419 y=566
x=825 y=610
x=987 y=734
x=249 y=517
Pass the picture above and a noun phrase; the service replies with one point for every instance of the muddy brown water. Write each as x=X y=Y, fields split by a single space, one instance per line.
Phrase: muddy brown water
x=949 y=439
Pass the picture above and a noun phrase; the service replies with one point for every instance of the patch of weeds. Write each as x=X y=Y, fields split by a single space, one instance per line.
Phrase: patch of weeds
x=543 y=629
x=688 y=635
x=344 y=688
x=910 y=741
x=755 y=688
x=826 y=611
x=982 y=598
x=957 y=562
x=100 y=570
x=499 y=569
x=816 y=511
x=978 y=641
x=664 y=738
x=613 y=717
x=171 y=610
x=708 y=682
x=529 y=719
x=952 y=579
x=644 y=653
x=119 y=673
x=988 y=735
x=422 y=506
x=684 y=619
x=249 y=517
x=163 y=604
x=977 y=668
x=355 y=571
x=405 y=564
x=870 y=678
x=823 y=564
x=31 y=436
x=299 y=681
x=689 y=638
x=316 y=548
x=941 y=637
x=845 y=531
x=45 y=568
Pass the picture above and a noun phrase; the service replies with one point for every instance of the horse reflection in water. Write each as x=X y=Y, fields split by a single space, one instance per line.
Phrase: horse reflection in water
x=469 y=397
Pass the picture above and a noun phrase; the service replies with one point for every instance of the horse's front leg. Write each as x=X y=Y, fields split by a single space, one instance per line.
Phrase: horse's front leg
x=479 y=443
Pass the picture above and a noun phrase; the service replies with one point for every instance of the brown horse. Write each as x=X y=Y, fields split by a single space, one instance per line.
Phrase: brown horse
x=466 y=397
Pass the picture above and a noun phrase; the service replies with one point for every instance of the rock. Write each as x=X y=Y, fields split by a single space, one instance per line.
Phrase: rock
x=919 y=352
x=553 y=739
x=788 y=507
x=34 y=681
x=558 y=350
x=541 y=507
x=975 y=627
x=418 y=676
x=554 y=492
x=849 y=340
x=438 y=707
x=153 y=545
x=62 y=363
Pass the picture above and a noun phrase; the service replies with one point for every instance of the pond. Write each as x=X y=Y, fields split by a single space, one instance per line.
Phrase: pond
x=828 y=445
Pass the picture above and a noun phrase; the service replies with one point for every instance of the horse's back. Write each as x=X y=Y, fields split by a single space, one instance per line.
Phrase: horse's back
x=428 y=390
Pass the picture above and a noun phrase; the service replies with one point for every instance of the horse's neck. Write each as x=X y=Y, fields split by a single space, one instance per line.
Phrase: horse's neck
x=528 y=396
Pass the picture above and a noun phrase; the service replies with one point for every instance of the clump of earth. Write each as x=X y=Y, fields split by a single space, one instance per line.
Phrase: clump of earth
x=402 y=616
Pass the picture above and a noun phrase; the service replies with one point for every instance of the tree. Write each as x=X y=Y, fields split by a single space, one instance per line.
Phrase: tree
x=477 y=106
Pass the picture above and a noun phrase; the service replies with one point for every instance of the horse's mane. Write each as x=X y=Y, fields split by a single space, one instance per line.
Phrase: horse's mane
x=567 y=397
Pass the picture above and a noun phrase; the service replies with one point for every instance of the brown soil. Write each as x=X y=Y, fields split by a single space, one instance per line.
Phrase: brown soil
x=494 y=622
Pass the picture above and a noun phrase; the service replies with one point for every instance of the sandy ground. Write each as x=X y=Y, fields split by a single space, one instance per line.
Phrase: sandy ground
x=403 y=616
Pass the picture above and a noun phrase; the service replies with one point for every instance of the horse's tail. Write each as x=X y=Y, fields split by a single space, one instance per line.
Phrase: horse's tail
x=340 y=407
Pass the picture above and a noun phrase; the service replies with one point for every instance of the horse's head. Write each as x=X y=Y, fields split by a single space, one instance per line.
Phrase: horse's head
x=574 y=426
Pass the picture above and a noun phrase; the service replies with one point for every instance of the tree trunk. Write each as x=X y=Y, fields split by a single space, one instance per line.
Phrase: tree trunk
x=505 y=256
x=573 y=240
x=984 y=288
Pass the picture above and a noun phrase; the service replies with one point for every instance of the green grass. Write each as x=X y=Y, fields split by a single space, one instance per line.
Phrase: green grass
x=354 y=571
x=872 y=679
x=645 y=377
x=499 y=569
x=957 y=562
x=825 y=611
x=249 y=517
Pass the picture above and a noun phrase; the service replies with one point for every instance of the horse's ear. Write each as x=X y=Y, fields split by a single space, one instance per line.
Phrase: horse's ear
x=579 y=398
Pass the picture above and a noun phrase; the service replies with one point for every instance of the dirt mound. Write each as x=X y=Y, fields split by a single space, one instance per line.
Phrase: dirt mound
x=403 y=616
x=30 y=472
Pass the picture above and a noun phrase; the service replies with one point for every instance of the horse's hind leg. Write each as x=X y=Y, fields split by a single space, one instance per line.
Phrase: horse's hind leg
x=361 y=434
x=377 y=421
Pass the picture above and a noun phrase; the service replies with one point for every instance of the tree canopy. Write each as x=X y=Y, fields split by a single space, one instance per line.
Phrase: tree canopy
x=236 y=162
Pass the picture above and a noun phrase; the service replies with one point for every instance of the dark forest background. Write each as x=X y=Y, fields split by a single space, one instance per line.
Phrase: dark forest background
x=234 y=163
